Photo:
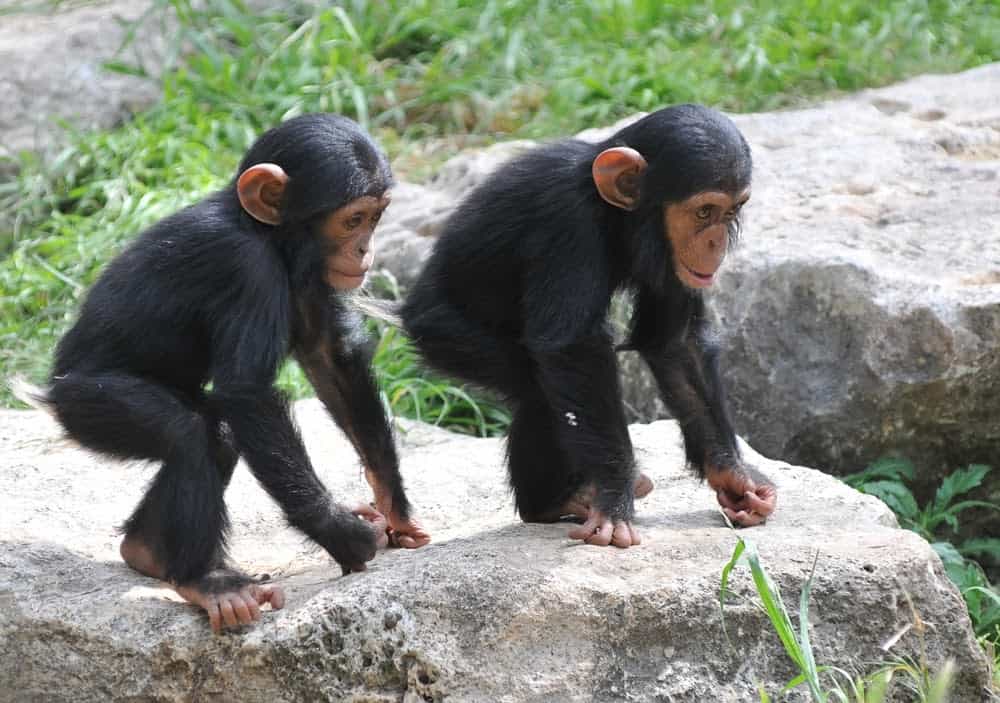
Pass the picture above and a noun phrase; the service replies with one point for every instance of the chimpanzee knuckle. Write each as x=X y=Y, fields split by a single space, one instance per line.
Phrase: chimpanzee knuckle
x=353 y=544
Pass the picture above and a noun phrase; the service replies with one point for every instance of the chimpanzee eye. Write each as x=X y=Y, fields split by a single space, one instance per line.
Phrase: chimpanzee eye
x=355 y=221
x=704 y=212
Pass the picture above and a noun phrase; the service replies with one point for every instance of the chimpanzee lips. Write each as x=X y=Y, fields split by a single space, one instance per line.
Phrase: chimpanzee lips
x=701 y=279
x=343 y=280
x=350 y=275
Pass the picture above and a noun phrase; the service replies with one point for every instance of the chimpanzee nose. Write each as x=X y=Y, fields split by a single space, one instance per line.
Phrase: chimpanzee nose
x=717 y=239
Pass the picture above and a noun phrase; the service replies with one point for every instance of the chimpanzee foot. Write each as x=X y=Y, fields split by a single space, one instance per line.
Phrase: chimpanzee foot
x=600 y=530
x=230 y=598
x=578 y=506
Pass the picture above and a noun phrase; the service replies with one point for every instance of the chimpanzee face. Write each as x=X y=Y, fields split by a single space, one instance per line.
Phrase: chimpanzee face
x=699 y=229
x=349 y=237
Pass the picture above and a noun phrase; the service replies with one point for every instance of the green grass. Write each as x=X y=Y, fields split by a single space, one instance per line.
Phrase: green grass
x=428 y=78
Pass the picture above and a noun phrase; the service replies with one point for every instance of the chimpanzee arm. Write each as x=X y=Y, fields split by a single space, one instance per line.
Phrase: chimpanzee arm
x=246 y=356
x=676 y=342
x=338 y=364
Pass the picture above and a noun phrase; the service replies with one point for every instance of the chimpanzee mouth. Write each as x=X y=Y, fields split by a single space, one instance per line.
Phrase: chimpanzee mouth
x=701 y=278
x=345 y=281
x=344 y=274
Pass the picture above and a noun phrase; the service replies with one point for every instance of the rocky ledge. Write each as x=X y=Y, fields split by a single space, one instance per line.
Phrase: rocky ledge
x=492 y=610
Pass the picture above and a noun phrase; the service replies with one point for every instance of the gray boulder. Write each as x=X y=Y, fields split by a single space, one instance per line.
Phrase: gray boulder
x=492 y=610
x=53 y=69
x=861 y=315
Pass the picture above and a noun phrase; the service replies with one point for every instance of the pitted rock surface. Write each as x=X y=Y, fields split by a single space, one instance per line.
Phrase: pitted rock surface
x=492 y=610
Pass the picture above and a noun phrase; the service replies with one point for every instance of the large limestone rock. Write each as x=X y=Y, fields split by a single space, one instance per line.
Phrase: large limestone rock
x=492 y=610
x=861 y=315
x=53 y=69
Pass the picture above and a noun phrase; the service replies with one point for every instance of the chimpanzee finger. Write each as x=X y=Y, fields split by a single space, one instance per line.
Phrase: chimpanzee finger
x=726 y=500
x=250 y=602
x=643 y=486
x=226 y=609
x=368 y=512
x=415 y=541
x=241 y=609
x=601 y=537
x=408 y=534
x=636 y=539
x=398 y=539
x=270 y=594
x=586 y=529
x=621 y=536
x=744 y=518
x=735 y=516
x=758 y=505
x=214 y=616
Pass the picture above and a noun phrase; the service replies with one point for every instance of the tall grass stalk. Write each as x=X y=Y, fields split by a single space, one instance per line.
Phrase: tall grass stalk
x=830 y=684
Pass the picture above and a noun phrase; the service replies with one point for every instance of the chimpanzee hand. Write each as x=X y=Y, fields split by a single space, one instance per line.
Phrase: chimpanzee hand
x=746 y=495
x=351 y=535
x=378 y=523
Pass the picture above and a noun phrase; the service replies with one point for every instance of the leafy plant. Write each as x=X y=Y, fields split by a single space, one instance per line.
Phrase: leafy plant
x=885 y=480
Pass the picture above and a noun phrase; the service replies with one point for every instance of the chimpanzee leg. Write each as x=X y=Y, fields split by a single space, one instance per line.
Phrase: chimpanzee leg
x=546 y=485
x=221 y=443
x=459 y=347
x=182 y=518
x=543 y=481
x=538 y=471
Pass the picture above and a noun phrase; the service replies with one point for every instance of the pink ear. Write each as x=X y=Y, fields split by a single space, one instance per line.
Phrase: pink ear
x=260 y=189
x=616 y=173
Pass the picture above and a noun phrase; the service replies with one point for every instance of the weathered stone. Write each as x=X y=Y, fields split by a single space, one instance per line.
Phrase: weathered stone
x=861 y=315
x=492 y=610
x=53 y=69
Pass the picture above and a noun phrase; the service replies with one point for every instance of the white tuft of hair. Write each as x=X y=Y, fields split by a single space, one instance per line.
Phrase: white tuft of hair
x=30 y=394
x=385 y=310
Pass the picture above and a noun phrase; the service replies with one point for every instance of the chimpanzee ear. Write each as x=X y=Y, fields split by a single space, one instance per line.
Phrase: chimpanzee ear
x=616 y=174
x=260 y=189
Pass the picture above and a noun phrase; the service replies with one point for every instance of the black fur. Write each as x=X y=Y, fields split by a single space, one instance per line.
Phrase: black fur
x=211 y=295
x=516 y=293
